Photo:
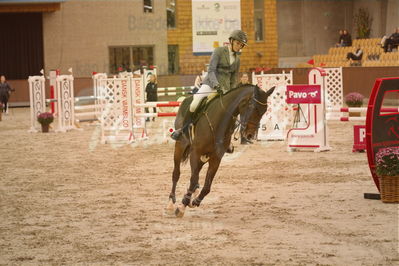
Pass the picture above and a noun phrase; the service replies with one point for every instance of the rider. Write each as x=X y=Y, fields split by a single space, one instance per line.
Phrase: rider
x=222 y=74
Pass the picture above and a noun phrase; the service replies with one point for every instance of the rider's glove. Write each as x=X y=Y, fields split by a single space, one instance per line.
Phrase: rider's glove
x=218 y=89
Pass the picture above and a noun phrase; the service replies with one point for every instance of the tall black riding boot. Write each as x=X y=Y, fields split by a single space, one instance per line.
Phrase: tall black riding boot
x=176 y=135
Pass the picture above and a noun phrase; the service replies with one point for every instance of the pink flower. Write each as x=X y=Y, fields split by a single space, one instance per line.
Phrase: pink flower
x=354 y=99
x=45 y=118
x=387 y=161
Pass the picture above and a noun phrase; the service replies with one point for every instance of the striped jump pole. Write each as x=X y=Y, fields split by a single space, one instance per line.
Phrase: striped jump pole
x=362 y=109
x=158 y=104
x=156 y=114
x=76 y=99
x=174 y=91
x=85 y=98
x=346 y=119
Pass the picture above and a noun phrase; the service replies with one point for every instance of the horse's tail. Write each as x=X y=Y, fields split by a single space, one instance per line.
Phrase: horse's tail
x=186 y=153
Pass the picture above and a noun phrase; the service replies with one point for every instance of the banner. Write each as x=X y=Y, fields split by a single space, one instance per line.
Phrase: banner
x=303 y=94
x=213 y=21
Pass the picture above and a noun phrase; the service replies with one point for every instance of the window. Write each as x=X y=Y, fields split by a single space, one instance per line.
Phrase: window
x=173 y=59
x=130 y=58
x=258 y=19
x=148 y=6
x=171 y=13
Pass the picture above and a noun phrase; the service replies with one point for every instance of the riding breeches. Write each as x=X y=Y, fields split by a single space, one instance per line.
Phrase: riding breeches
x=203 y=91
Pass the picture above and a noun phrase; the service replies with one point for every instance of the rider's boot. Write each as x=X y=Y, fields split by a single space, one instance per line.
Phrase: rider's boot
x=176 y=135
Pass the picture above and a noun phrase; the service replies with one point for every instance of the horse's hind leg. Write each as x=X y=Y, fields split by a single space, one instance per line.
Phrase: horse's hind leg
x=210 y=174
x=196 y=166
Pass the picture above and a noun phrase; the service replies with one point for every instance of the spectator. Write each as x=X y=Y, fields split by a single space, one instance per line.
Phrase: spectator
x=356 y=56
x=244 y=79
x=341 y=39
x=391 y=42
x=346 y=39
x=152 y=93
x=198 y=83
x=5 y=92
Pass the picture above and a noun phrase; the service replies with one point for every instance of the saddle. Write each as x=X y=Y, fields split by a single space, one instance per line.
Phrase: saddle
x=202 y=106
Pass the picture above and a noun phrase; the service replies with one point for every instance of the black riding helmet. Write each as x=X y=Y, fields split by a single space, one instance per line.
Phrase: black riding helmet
x=240 y=36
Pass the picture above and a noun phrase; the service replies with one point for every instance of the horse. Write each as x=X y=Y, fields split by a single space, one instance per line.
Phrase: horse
x=209 y=139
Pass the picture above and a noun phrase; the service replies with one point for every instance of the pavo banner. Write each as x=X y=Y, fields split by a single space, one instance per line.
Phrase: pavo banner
x=213 y=21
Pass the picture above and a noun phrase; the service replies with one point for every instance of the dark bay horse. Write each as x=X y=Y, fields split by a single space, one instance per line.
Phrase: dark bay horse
x=212 y=136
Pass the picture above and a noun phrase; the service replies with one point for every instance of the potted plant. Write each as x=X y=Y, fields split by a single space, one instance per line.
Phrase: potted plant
x=387 y=169
x=45 y=119
x=363 y=22
x=354 y=99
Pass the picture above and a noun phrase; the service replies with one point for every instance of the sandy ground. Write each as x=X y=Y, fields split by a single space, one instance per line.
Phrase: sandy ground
x=67 y=199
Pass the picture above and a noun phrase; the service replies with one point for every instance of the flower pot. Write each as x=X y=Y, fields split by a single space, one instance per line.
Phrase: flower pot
x=45 y=128
x=389 y=188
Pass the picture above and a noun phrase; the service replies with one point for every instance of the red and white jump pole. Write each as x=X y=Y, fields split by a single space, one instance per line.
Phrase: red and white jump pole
x=158 y=104
x=347 y=119
x=362 y=109
x=156 y=114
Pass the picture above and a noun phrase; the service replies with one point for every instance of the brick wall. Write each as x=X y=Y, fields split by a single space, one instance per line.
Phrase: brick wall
x=257 y=54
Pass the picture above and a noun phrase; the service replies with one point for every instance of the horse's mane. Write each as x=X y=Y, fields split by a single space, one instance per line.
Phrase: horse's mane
x=241 y=86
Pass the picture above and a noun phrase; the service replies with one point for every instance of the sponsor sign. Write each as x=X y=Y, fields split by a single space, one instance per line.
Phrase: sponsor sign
x=303 y=94
x=212 y=22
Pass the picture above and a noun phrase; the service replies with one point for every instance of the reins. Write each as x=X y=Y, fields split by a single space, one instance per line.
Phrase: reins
x=237 y=122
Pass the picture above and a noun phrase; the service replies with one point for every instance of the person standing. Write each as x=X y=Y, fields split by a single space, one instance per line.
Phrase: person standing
x=5 y=92
x=222 y=75
x=152 y=93
x=244 y=79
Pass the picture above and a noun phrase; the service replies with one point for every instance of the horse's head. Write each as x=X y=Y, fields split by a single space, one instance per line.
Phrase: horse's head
x=252 y=111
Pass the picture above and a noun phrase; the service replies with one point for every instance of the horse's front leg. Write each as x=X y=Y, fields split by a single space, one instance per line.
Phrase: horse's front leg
x=175 y=177
x=196 y=166
x=214 y=163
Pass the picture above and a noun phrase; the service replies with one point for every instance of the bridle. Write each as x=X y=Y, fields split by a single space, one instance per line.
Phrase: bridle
x=254 y=104
x=243 y=122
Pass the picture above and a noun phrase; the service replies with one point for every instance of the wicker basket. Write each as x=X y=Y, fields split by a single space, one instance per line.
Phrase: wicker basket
x=389 y=188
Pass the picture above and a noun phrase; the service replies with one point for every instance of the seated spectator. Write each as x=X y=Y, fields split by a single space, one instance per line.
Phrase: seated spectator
x=356 y=56
x=391 y=42
x=341 y=39
x=347 y=39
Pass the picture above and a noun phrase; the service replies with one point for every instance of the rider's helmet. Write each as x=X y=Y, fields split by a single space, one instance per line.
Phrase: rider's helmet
x=240 y=36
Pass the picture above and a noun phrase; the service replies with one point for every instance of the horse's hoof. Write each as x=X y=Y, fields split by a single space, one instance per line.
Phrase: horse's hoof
x=179 y=213
x=170 y=208
x=194 y=196
x=196 y=202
